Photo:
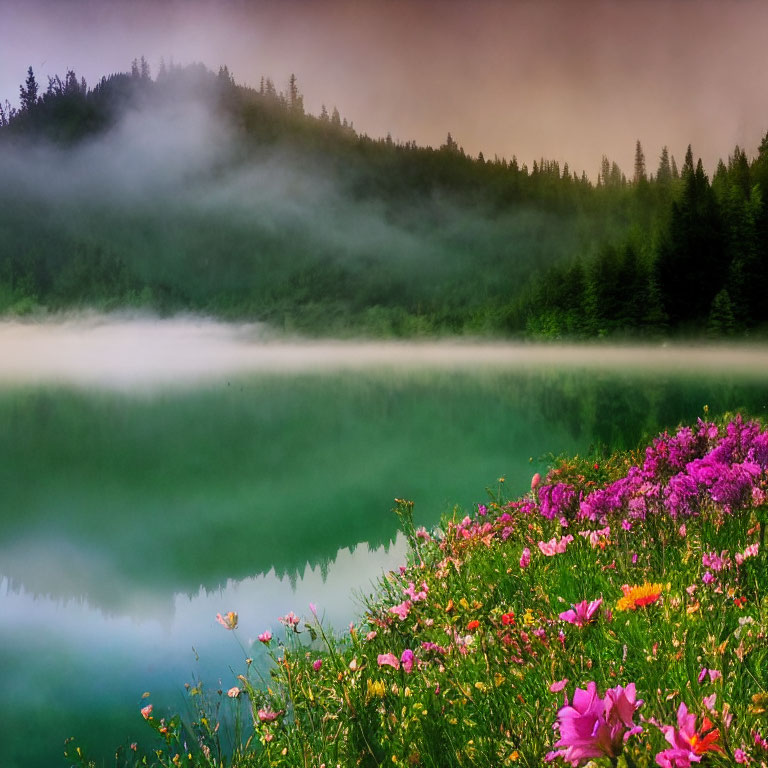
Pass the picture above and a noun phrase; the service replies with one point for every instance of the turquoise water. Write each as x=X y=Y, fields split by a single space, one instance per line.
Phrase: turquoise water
x=128 y=519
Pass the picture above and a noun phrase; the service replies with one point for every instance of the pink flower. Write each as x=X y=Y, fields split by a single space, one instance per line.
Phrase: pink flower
x=750 y=551
x=388 y=659
x=555 y=547
x=291 y=621
x=558 y=686
x=535 y=480
x=316 y=664
x=228 y=620
x=313 y=609
x=712 y=673
x=676 y=758
x=688 y=744
x=146 y=711
x=371 y=635
x=233 y=693
x=525 y=558
x=582 y=613
x=407 y=660
x=596 y=727
x=266 y=715
x=740 y=756
x=265 y=637
x=401 y=610
x=413 y=594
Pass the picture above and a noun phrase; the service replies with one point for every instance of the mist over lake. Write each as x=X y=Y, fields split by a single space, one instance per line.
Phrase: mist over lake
x=156 y=472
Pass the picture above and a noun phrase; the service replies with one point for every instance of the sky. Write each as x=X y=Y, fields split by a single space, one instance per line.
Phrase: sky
x=568 y=80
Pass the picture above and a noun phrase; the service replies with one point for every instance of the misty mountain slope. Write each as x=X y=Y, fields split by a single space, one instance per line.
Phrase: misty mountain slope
x=193 y=193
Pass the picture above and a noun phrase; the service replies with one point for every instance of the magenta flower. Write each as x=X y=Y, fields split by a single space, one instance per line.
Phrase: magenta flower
x=265 y=637
x=525 y=558
x=407 y=661
x=388 y=659
x=582 y=613
x=594 y=727
x=316 y=664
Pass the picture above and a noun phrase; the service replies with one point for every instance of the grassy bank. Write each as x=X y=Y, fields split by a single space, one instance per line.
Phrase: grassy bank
x=616 y=614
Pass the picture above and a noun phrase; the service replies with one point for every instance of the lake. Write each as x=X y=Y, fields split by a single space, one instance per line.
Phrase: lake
x=156 y=472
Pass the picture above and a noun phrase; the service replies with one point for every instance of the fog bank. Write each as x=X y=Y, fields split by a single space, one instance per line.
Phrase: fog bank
x=119 y=352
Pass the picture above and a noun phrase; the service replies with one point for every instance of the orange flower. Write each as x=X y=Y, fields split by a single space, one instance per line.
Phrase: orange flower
x=639 y=596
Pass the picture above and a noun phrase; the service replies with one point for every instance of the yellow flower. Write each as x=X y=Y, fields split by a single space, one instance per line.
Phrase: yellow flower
x=528 y=617
x=376 y=689
x=639 y=596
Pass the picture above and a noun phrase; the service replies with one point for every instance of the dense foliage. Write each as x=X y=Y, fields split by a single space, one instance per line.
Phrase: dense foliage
x=621 y=602
x=190 y=192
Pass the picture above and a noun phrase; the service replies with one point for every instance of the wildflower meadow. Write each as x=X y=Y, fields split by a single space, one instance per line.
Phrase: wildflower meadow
x=614 y=615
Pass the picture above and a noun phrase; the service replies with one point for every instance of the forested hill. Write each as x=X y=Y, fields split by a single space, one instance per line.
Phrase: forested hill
x=187 y=191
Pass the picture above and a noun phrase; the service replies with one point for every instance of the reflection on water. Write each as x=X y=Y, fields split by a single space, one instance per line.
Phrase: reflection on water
x=130 y=517
x=81 y=671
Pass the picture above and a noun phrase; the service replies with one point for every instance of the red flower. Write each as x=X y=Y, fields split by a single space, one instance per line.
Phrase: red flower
x=473 y=625
x=508 y=618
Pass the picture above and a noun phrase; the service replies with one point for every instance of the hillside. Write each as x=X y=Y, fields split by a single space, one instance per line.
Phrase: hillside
x=188 y=192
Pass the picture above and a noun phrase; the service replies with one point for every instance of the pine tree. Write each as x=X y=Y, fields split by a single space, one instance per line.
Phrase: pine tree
x=721 y=321
x=664 y=173
x=640 y=174
x=692 y=262
x=295 y=99
x=28 y=95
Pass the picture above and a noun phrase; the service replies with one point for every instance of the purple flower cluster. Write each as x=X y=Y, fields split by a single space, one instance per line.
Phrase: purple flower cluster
x=679 y=475
x=557 y=500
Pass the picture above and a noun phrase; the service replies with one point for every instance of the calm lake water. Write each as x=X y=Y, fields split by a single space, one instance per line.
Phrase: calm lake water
x=154 y=473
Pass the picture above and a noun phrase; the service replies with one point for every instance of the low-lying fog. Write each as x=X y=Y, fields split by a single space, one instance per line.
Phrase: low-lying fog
x=119 y=351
